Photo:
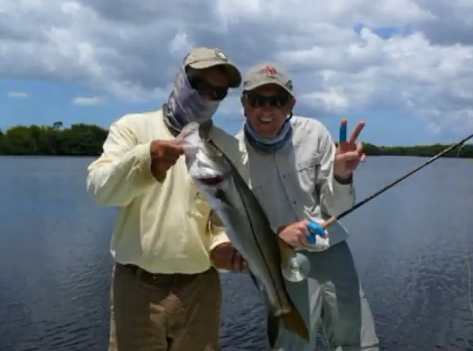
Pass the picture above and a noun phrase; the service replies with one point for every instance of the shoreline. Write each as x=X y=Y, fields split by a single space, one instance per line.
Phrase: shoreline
x=86 y=140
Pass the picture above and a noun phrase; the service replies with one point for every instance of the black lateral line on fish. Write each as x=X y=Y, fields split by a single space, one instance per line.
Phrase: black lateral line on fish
x=258 y=245
x=272 y=323
x=220 y=195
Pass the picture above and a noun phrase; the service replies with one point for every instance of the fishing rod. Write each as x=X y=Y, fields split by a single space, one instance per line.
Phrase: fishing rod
x=320 y=229
x=333 y=219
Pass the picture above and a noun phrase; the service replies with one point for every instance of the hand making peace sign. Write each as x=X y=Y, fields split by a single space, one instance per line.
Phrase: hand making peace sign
x=349 y=152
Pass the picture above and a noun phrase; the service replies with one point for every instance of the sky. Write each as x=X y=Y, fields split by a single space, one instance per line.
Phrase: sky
x=405 y=67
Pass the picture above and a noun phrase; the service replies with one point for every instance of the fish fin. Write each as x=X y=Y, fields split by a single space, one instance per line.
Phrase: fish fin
x=255 y=281
x=293 y=321
x=286 y=252
x=272 y=321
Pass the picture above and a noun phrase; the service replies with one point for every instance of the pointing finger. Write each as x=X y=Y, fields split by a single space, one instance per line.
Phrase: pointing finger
x=172 y=154
x=175 y=148
x=343 y=131
x=356 y=132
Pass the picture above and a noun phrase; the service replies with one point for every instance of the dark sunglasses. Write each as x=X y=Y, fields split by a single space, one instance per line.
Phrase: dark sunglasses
x=202 y=86
x=256 y=100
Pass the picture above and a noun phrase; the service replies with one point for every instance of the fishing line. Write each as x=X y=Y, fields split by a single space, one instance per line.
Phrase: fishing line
x=460 y=145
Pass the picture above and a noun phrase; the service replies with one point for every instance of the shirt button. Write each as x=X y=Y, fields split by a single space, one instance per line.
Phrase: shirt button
x=294 y=202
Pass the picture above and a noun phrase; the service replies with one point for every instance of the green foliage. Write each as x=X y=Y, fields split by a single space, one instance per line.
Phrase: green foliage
x=418 y=150
x=87 y=140
x=78 y=140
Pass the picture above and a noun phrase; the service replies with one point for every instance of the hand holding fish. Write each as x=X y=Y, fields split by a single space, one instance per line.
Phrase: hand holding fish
x=164 y=155
x=225 y=256
x=349 y=152
x=295 y=234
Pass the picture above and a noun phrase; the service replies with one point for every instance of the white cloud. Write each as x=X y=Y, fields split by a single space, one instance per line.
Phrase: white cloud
x=18 y=95
x=88 y=101
x=131 y=50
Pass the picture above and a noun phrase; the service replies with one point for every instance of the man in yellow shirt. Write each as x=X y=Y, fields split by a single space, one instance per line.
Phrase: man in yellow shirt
x=166 y=293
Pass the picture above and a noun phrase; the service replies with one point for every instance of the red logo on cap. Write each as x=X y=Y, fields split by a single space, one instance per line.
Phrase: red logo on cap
x=269 y=70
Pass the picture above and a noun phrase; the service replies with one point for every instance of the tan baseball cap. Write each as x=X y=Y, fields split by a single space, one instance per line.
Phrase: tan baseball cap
x=267 y=73
x=203 y=57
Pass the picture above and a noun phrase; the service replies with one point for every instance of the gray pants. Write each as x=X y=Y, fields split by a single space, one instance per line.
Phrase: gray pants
x=333 y=295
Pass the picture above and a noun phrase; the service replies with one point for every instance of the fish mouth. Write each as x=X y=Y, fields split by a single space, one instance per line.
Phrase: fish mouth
x=215 y=180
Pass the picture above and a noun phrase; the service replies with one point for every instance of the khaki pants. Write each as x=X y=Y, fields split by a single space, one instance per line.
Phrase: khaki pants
x=163 y=312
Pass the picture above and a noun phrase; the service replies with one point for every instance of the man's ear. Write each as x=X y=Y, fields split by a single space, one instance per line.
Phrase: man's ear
x=243 y=104
x=291 y=104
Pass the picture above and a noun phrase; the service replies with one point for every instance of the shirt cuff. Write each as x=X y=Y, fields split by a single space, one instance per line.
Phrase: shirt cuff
x=219 y=239
x=343 y=187
x=348 y=180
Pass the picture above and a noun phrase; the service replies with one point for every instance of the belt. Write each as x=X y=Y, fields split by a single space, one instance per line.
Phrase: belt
x=158 y=278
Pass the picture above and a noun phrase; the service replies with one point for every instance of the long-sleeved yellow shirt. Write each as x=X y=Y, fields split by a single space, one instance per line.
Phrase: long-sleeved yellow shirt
x=162 y=227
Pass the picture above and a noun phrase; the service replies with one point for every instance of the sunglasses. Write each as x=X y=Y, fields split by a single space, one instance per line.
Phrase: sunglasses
x=256 y=100
x=203 y=87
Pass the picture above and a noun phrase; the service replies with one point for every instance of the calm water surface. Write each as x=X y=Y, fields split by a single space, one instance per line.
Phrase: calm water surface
x=412 y=246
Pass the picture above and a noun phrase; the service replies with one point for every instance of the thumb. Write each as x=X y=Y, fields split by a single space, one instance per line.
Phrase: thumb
x=348 y=156
x=189 y=129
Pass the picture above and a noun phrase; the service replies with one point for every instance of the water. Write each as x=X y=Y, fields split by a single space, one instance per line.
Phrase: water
x=411 y=247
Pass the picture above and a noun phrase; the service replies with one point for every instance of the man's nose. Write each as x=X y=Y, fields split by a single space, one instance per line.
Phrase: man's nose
x=206 y=95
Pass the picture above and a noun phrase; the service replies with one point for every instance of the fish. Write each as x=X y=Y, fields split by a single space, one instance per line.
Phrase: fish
x=245 y=222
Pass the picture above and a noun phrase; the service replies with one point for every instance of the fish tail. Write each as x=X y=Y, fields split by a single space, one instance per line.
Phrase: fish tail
x=293 y=321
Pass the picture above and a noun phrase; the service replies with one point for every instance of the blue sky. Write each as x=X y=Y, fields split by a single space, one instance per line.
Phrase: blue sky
x=47 y=102
x=404 y=67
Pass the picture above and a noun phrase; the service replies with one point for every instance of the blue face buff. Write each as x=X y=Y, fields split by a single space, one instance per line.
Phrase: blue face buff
x=268 y=145
x=186 y=105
